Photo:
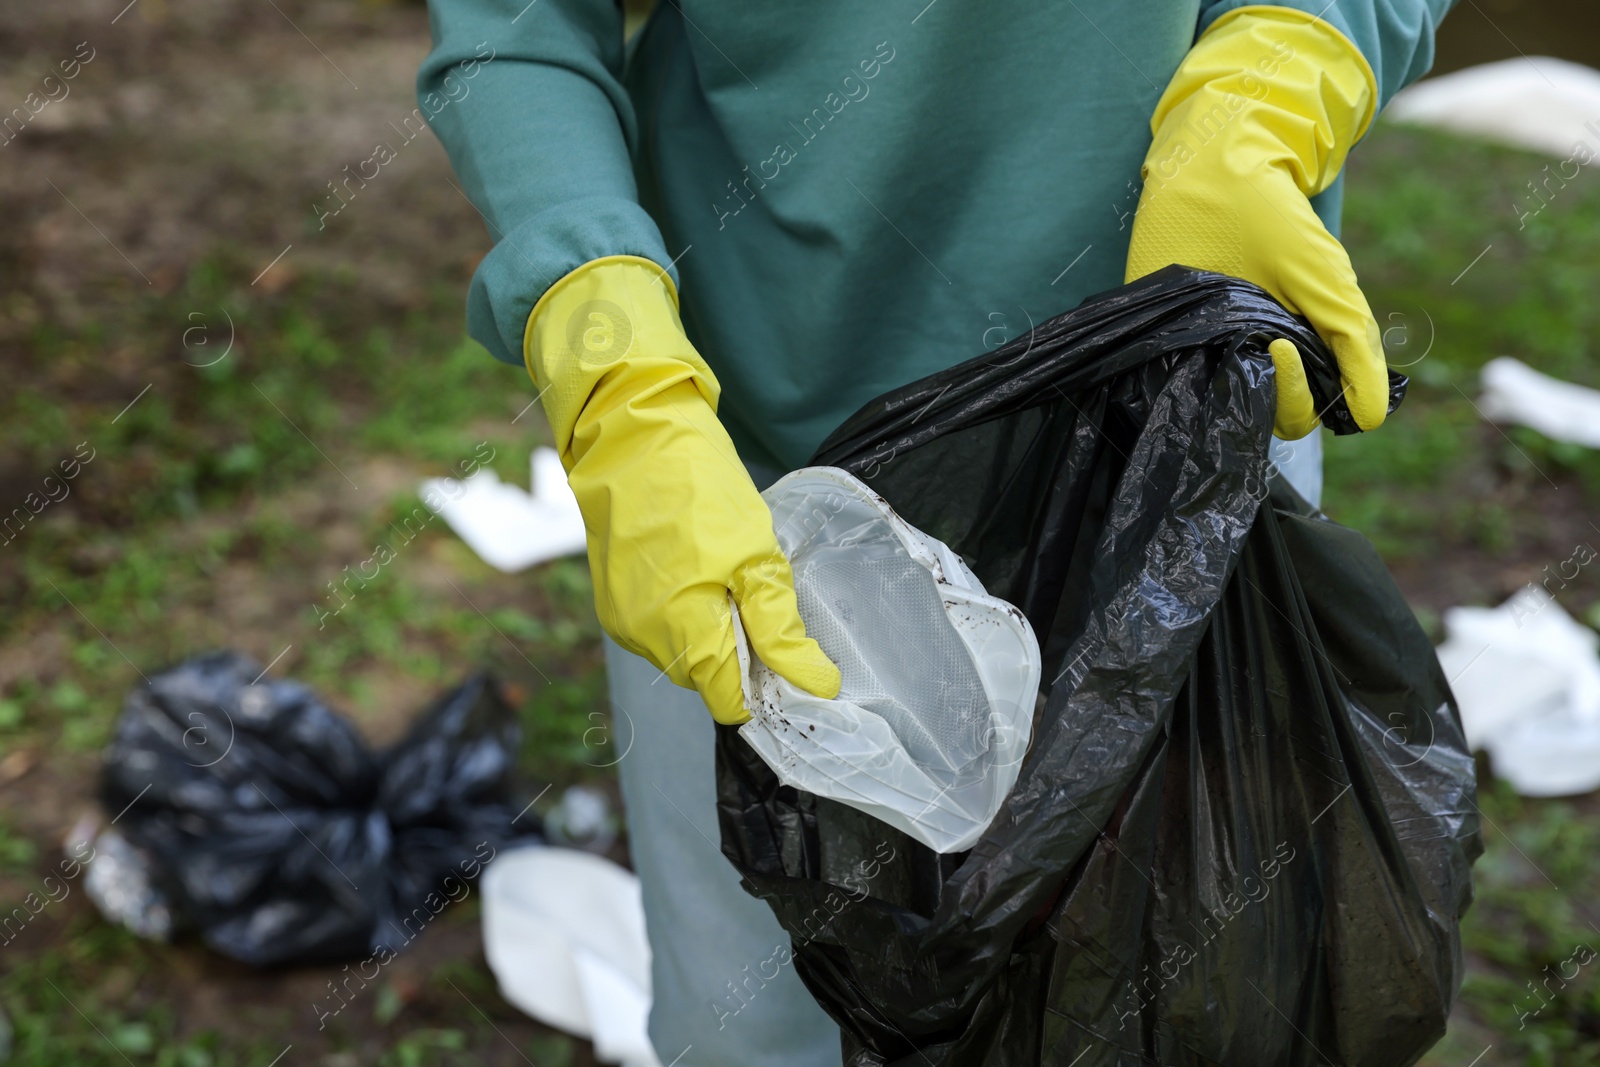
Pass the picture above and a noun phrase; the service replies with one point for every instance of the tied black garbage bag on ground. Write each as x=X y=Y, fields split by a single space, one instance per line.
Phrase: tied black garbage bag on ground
x=1243 y=832
x=280 y=836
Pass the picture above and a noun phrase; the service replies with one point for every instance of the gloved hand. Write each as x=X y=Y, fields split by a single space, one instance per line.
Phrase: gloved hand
x=1258 y=118
x=675 y=525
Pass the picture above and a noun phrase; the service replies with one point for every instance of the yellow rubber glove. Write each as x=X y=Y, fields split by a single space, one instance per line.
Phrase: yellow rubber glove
x=1258 y=118
x=675 y=525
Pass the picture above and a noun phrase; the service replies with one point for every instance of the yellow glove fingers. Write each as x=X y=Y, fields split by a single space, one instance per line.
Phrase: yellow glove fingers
x=1308 y=271
x=1314 y=278
x=1297 y=414
x=635 y=547
x=670 y=559
x=694 y=647
x=771 y=617
x=723 y=690
x=710 y=663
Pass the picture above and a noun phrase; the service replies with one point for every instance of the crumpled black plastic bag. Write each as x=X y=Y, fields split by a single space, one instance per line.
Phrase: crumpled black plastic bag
x=1243 y=833
x=279 y=835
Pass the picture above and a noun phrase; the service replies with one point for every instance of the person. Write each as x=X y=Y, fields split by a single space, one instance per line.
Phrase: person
x=717 y=241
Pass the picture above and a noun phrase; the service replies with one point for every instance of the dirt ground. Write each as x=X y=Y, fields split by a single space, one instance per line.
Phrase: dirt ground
x=202 y=133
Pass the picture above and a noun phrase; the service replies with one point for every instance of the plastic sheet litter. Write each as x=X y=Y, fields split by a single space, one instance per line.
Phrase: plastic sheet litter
x=122 y=885
x=564 y=935
x=509 y=528
x=1514 y=392
x=279 y=836
x=1540 y=103
x=1243 y=832
x=935 y=708
x=1529 y=682
x=582 y=818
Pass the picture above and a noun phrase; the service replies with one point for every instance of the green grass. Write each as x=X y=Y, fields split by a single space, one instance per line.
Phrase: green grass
x=1420 y=208
x=1532 y=939
x=88 y=1002
x=192 y=528
x=1437 y=480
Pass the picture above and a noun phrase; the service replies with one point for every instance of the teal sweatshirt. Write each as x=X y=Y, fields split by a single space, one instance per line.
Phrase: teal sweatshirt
x=850 y=194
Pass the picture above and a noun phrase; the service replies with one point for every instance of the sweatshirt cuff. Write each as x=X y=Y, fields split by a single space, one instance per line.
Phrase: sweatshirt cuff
x=527 y=260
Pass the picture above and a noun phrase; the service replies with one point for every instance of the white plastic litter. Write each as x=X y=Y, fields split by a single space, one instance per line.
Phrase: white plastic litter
x=1516 y=393
x=939 y=678
x=123 y=885
x=1535 y=102
x=1527 y=678
x=581 y=819
x=564 y=935
x=508 y=528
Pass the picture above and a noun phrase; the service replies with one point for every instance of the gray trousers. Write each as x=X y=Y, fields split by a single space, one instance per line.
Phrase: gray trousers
x=726 y=994
x=725 y=991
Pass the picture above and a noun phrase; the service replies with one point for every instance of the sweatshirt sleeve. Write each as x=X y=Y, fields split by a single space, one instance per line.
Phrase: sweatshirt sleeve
x=1395 y=36
x=527 y=99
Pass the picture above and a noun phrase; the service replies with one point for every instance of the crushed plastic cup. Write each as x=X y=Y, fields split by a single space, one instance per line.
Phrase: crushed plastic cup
x=939 y=679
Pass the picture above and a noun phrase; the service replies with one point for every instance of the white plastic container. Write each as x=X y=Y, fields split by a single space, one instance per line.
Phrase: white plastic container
x=939 y=678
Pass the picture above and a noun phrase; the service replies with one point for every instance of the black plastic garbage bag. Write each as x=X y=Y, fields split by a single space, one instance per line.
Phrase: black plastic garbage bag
x=1244 y=830
x=280 y=836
